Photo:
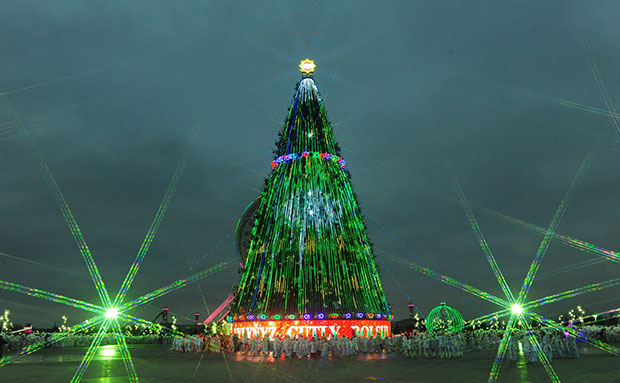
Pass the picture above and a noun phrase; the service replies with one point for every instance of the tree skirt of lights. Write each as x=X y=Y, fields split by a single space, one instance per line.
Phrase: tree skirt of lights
x=314 y=327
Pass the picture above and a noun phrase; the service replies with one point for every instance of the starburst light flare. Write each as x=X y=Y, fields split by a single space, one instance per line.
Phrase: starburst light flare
x=501 y=351
x=572 y=293
x=486 y=249
x=572 y=332
x=549 y=299
x=487 y=317
x=568 y=240
x=109 y=312
x=64 y=208
x=539 y=350
x=125 y=355
x=151 y=325
x=449 y=281
x=517 y=308
x=62 y=116
x=179 y=283
x=604 y=316
x=542 y=96
x=406 y=249
x=546 y=241
x=613 y=115
x=90 y=353
x=555 y=221
x=563 y=205
x=109 y=317
x=400 y=286
x=14 y=287
x=163 y=207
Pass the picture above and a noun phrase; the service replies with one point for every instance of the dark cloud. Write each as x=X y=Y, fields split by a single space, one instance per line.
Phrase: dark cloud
x=110 y=91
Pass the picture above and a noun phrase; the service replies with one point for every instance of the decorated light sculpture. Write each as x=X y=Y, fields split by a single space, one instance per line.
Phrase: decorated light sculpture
x=307 y=264
x=444 y=319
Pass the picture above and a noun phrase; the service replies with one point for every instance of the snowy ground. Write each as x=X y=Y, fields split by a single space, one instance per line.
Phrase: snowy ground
x=158 y=364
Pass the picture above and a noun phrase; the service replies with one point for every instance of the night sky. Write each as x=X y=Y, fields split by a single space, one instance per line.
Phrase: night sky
x=109 y=92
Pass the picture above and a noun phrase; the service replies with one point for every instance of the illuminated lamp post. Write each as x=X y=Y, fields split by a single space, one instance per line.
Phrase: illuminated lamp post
x=411 y=307
x=164 y=314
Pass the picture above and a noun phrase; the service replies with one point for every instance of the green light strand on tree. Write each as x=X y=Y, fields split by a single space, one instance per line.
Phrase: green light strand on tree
x=309 y=251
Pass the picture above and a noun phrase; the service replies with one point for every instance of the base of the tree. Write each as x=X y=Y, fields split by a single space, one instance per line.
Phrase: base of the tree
x=308 y=328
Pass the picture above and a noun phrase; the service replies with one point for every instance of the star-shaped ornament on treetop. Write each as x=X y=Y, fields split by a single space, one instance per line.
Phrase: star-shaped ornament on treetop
x=307 y=67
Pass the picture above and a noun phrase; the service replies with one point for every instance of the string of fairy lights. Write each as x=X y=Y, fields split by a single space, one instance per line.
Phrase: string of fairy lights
x=309 y=256
x=306 y=154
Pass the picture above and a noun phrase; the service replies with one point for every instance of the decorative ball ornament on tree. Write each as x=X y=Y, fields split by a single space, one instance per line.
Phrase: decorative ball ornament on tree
x=444 y=319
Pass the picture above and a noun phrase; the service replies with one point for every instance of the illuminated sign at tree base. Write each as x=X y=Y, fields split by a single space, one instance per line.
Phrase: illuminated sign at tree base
x=307 y=328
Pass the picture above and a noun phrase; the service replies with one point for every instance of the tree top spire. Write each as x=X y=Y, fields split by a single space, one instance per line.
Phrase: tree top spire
x=307 y=67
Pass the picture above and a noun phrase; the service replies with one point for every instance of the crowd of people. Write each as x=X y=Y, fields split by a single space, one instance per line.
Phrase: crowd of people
x=203 y=343
x=607 y=334
x=422 y=344
x=15 y=342
x=554 y=344
x=286 y=347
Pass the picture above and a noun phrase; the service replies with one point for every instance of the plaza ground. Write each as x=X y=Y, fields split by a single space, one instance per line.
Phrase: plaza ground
x=159 y=364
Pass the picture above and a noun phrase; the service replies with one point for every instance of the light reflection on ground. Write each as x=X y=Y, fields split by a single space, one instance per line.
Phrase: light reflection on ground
x=158 y=364
x=107 y=352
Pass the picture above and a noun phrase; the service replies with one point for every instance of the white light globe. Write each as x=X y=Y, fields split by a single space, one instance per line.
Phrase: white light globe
x=111 y=313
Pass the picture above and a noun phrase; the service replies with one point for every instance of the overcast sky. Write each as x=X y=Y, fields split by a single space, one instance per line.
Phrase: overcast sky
x=109 y=92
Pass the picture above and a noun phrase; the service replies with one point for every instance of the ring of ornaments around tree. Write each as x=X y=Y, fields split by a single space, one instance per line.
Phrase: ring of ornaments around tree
x=294 y=156
x=309 y=316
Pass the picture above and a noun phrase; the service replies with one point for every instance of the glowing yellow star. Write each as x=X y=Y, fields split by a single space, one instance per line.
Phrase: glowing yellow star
x=307 y=66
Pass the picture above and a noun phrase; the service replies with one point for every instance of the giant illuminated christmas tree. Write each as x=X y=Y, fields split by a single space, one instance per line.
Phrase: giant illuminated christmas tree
x=309 y=267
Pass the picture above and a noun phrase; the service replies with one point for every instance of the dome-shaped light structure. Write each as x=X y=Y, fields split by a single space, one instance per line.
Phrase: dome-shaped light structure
x=444 y=319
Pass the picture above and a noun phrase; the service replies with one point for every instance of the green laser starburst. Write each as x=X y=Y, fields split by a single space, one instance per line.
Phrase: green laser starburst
x=519 y=309
x=108 y=319
x=111 y=312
